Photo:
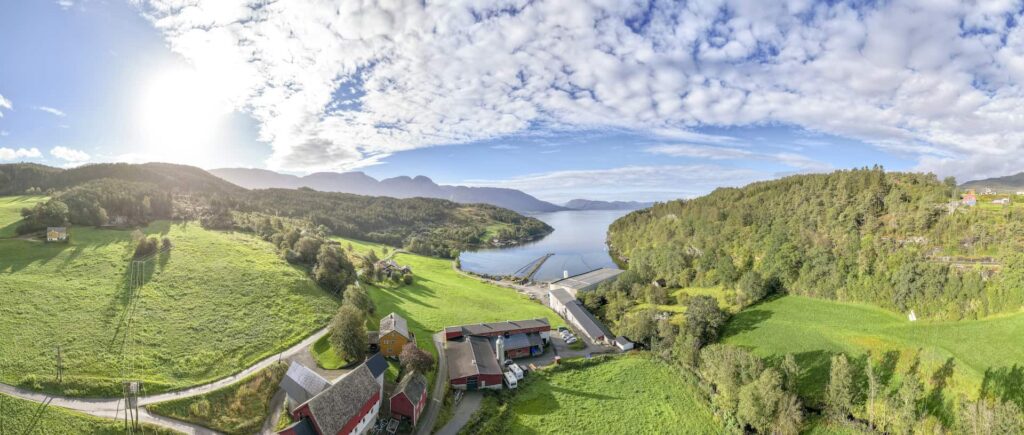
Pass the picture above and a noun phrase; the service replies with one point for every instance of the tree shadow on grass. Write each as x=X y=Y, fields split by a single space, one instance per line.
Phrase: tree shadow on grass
x=935 y=402
x=1006 y=383
x=745 y=321
x=407 y=293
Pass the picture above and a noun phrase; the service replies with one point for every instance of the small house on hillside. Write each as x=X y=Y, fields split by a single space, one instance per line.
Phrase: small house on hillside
x=56 y=234
x=390 y=267
x=393 y=334
x=410 y=398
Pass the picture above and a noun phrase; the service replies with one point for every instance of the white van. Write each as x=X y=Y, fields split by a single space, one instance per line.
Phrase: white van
x=510 y=380
x=516 y=370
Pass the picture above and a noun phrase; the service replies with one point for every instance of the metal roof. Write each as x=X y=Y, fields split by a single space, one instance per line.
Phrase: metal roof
x=588 y=279
x=591 y=326
x=413 y=385
x=471 y=356
x=303 y=384
x=562 y=295
x=519 y=341
x=499 y=327
x=377 y=364
x=394 y=322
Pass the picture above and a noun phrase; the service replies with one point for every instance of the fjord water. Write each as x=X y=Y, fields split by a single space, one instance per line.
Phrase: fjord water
x=578 y=243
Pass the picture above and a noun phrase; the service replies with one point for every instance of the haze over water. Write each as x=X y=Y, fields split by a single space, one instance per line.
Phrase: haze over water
x=578 y=243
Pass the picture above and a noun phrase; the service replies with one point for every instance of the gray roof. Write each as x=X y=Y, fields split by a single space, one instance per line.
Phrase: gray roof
x=58 y=229
x=591 y=326
x=377 y=364
x=622 y=340
x=301 y=427
x=588 y=279
x=500 y=327
x=562 y=295
x=519 y=341
x=302 y=384
x=343 y=400
x=471 y=356
x=413 y=385
x=394 y=322
x=372 y=337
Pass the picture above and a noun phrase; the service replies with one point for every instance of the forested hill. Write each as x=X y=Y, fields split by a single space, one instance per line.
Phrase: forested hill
x=128 y=195
x=898 y=240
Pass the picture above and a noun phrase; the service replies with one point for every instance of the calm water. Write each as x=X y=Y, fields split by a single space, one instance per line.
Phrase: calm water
x=578 y=243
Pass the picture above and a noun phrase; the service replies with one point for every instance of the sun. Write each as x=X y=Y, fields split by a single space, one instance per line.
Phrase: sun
x=181 y=116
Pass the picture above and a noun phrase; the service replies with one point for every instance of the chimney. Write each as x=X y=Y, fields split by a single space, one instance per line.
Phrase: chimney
x=565 y=274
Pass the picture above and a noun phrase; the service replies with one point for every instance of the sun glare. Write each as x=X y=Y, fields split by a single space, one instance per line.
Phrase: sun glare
x=181 y=116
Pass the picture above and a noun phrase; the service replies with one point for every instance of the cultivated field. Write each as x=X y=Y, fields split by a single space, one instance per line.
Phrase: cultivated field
x=22 y=416
x=954 y=357
x=213 y=305
x=627 y=394
x=10 y=212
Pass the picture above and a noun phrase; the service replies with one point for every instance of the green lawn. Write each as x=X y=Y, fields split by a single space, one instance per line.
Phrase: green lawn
x=625 y=394
x=22 y=416
x=215 y=304
x=10 y=211
x=240 y=408
x=678 y=310
x=325 y=355
x=955 y=357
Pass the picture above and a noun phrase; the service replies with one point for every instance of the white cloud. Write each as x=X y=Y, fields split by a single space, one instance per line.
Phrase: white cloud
x=5 y=133
x=69 y=155
x=504 y=147
x=65 y=4
x=645 y=183
x=937 y=81
x=801 y=162
x=5 y=104
x=51 y=110
x=20 y=153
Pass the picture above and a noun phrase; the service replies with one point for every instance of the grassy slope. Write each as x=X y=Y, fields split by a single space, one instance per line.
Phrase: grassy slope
x=240 y=408
x=215 y=304
x=815 y=329
x=678 y=310
x=10 y=212
x=22 y=416
x=629 y=394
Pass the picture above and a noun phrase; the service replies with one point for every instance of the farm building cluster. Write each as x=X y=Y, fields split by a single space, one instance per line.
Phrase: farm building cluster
x=477 y=354
x=352 y=403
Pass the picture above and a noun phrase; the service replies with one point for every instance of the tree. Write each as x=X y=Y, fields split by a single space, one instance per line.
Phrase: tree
x=332 y=270
x=789 y=417
x=873 y=387
x=308 y=249
x=348 y=333
x=907 y=411
x=413 y=358
x=641 y=326
x=704 y=319
x=760 y=399
x=839 y=394
x=752 y=288
x=356 y=296
x=790 y=373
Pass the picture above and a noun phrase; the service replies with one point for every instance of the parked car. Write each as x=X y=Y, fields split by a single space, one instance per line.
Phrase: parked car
x=516 y=370
x=570 y=340
x=562 y=329
x=510 y=380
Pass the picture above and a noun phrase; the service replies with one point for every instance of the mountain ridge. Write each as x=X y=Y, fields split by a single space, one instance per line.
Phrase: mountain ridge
x=1013 y=182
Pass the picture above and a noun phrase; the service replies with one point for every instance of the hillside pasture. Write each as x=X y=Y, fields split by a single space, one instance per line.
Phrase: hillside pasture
x=22 y=416
x=625 y=394
x=952 y=358
x=10 y=212
x=214 y=304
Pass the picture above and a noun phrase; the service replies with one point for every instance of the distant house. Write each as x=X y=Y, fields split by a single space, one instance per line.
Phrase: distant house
x=585 y=281
x=623 y=343
x=970 y=200
x=566 y=305
x=410 y=398
x=1001 y=201
x=393 y=334
x=390 y=267
x=349 y=406
x=987 y=191
x=56 y=234
x=301 y=384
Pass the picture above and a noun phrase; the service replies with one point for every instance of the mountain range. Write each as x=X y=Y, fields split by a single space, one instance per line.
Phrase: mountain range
x=1008 y=183
x=408 y=187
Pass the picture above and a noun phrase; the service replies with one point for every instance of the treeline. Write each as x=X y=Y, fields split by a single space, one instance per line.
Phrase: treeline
x=134 y=195
x=860 y=235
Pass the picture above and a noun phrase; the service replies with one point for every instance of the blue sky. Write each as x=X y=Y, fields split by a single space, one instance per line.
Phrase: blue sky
x=621 y=101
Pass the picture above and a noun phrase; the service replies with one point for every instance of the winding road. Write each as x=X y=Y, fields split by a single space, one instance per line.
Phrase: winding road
x=114 y=408
x=426 y=425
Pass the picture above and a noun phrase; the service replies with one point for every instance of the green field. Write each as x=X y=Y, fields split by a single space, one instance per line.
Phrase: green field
x=22 y=416
x=626 y=394
x=10 y=212
x=240 y=408
x=954 y=357
x=213 y=305
x=678 y=310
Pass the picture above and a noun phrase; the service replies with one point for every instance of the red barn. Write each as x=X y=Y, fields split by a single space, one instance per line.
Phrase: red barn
x=349 y=406
x=410 y=398
x=472 y=364
x=497 y=329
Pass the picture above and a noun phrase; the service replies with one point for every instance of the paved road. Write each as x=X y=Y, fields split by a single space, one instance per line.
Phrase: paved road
x=276 y=404
x=436 y=402
x=112 y=408
x=467 y=407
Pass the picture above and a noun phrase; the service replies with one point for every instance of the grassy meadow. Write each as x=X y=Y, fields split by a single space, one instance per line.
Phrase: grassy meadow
x=214 y=304
x=10 y=212
x=22 y=416
x=952 y=358
x=678 y=310
x=624 y=394
x=240 y=408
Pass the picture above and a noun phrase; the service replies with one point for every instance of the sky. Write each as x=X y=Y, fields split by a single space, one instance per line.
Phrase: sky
x=596 y=99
